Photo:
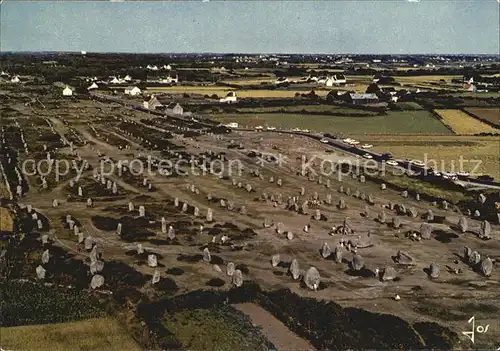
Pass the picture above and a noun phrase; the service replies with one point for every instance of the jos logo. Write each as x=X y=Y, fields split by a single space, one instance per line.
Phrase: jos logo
x=480 y=329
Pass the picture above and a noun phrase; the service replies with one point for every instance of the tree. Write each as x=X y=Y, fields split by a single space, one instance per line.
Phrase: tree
x=372 y=88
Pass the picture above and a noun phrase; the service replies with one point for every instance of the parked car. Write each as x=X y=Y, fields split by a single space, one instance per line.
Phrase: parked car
x=366 y=146
x=368 y=156
x=485 y=177
x=392 y=163
x=386 y=156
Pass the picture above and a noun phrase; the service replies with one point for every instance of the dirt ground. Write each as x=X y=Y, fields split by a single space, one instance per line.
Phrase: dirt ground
x=463 y=295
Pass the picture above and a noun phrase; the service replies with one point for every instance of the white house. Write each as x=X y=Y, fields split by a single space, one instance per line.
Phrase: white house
x=230 y=98
x=93 y=86
x=115 y=81
x=167 y=67
x=152 y=68
x=170 y=79
x=127 y=78
x=232 y=125
x=174 y=108
x=132 y=91
x=15 y=80
x=67 y=91
x=337 y=79
x=152 y=103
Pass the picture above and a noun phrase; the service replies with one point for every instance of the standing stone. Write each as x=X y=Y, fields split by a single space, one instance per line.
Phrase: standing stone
x=289 y=235
x=89 y=202
x=328 y=200
x=486 y=267
x=389 y=274
x=327 y=185
x=429 y=215
x=243 y=210
x=383 y=186
x=434 y=270
x=485 y=230
x=382 y=217
x=467 y=252
x=462 y=224
x=275 y=260
x=163 y=225
x=217 y=268
x=96 y=267
x=396 y=222
x=80 y=237
x=45 y=257
x=119 y=229
x=302 y=191
x=152 y=260
x=477 y=214
x=209 y=215
x=279 y=228
x=279 y=182
x=76 y=230
x=142 y=211
x=357 y=263
x=425 y=231
x=362 y=179
x=206 y=255
x=80 y=191
x=39 y=224
x=404 y=193
x=294 y=269
x=348 y=191
x=130 y=206
x=417 y=197
x=482 y=198
x=140 y=249
x=371 y=199
x=156 y=277
x=337 y=254
x=40 y=272
x=341 y=189
x=325 y=251
x=357 y=194
x=29 y=208
x=89 y=243
x=97 y=281
x=267 y=222
x=445 y=205
x=55 y=203
x=312 y=278
x=93 y=254
x=230 y=269
x=474 y=258
x=176 y=202
x=184 y=207
x=342 y=204
x=412 y=212
x=317 y=215
x=196 y=211
x=171 y=233
x=45 y=239
x=237 y=278
x=114 y=189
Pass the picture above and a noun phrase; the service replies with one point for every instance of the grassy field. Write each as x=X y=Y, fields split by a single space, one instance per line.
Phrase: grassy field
x=407 y=122
x=6 y=221
x=214 y=329
x=305 y=108
x=462 y=123
x=445 y=150
x=91 y=334
x=489 y=114
x=222 y=91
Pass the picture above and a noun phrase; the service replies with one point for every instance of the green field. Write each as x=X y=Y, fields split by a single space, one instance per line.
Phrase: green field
x=403 y=122
x=92 y=334
x=219 y=328
x=317 y=109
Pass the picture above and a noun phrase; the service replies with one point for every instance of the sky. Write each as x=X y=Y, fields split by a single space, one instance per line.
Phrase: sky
x=332 y=26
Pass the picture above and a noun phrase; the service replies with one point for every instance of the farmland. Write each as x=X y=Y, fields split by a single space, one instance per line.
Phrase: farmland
x=401 y=122
x=445 y=150
x=462 y=123
x=90 y=334
x=242 y=93
x=491 y=115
